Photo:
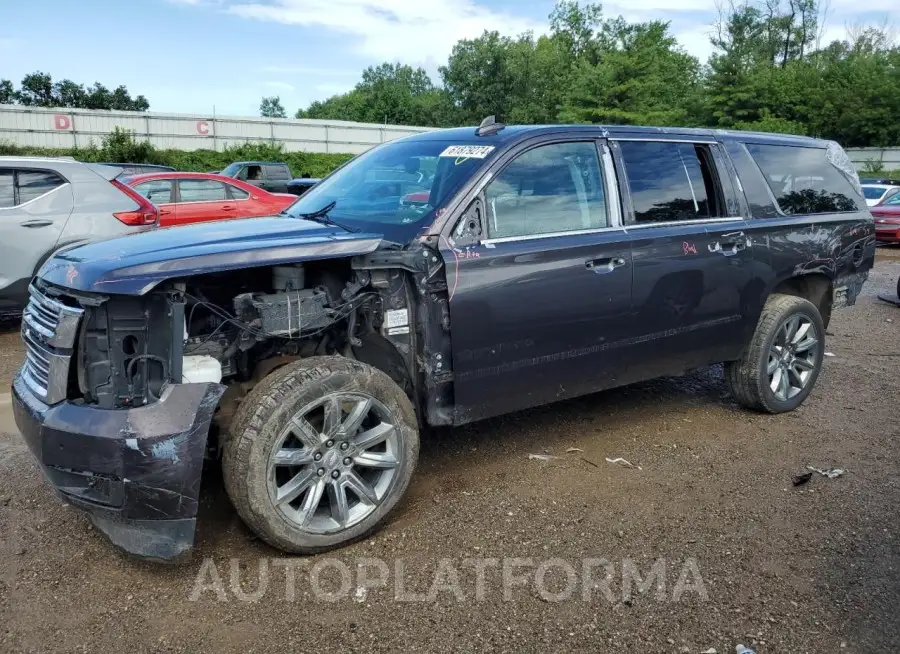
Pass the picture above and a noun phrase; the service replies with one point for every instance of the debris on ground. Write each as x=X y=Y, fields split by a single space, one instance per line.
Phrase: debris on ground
x=831 y=473
x=829 y=354
x=740 y=649
x=542 y=457
x=623 y=462
x=802 y=478
x=572 y=450
x=711 y=650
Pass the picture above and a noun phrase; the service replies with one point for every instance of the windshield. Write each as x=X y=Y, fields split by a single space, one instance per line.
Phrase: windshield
x=396 y=186
x=893 y=200
x=873 y=192
x=231 y=169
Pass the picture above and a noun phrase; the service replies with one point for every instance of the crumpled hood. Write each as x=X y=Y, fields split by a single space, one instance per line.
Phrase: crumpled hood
x=135 y=264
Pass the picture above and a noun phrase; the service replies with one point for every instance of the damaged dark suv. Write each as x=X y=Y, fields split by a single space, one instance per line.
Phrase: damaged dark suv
x=435 y=280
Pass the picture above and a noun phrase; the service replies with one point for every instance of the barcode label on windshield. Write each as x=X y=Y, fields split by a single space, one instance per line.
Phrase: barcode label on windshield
x=468 y=151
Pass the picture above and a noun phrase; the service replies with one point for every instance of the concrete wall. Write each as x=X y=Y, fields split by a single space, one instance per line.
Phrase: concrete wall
x=65 y=128
x=889 y=157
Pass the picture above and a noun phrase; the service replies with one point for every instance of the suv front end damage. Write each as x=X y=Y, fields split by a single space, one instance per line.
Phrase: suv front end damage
x=135 y=467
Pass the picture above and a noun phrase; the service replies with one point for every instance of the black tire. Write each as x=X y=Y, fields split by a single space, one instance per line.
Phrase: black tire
x=261 y=420
x=898 y=288
x=747 y=378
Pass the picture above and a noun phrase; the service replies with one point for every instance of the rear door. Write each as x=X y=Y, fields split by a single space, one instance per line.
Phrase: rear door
x=246 y=205
x=160 y=192
x=34 y=208
x=693 y=260
x=276 y=178
x=201 y=200
x=540 y=304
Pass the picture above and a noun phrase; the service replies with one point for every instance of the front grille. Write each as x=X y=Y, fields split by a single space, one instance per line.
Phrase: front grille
x=49 y=329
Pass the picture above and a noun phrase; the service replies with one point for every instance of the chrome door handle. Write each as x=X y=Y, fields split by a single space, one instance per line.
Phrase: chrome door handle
x=605 y=265
x=730 y=244
x=36 y=223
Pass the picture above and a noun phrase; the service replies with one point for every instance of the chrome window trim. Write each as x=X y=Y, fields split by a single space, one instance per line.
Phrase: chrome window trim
x=663 y=140
x=613 y=201
x=698 y=221
x=532 y=237
x=42 y=195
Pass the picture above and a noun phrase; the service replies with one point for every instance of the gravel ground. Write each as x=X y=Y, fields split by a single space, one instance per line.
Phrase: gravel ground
x=748 y=557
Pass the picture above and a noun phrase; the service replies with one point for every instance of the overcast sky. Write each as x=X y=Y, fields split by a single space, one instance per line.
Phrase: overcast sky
x=189 y=56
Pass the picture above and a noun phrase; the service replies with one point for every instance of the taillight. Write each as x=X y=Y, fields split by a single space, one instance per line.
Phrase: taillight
x=147 y=213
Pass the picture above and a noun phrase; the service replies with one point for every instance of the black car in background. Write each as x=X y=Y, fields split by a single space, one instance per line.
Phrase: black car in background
x=301 y=185
x=434 y=280
x=273 y=176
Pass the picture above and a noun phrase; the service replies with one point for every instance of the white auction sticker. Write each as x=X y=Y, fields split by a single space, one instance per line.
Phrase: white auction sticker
x=396 y=331
x=396 y=318
x=468 y=151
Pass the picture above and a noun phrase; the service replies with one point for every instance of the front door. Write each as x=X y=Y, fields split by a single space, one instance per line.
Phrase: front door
x=540 y=305
x=201 y=200
x=692 y=256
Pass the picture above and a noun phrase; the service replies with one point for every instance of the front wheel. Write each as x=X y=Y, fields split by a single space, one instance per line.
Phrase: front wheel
x=320 y=453
x=779 y=368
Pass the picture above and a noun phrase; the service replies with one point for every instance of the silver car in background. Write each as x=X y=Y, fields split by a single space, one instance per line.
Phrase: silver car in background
x=47 y=204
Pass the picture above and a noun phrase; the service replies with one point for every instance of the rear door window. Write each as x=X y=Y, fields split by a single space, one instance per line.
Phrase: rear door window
x=671 y=182
x=201 y=190
x=803 y=181
x=158 y=191
x=7 y=189
x=34 y=184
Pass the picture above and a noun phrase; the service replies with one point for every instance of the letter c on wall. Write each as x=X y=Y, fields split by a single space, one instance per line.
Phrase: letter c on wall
x=61 y=122
x=203 y=127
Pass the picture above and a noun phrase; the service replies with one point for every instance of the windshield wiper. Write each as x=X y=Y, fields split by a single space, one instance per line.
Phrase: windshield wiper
x=321 y=216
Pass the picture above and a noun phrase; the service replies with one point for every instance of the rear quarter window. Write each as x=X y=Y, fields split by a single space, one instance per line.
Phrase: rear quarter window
x=803 y=181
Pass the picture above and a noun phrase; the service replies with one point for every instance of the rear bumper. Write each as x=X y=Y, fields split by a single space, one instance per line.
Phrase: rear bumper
x=135 y=471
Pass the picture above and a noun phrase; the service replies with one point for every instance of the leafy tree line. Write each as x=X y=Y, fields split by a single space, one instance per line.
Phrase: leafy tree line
x=769 y=72
x=39 y=90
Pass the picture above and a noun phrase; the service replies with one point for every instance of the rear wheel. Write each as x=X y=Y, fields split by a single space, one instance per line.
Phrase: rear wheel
x=780 y=366
x=320 y=454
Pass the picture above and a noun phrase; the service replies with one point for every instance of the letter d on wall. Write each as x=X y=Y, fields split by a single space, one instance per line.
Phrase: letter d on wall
x=61 y=122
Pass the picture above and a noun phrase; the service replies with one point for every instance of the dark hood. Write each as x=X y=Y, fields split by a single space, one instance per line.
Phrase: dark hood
x=134 y=264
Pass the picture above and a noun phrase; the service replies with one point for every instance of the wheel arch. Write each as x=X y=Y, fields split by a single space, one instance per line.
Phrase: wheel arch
x=816 y=287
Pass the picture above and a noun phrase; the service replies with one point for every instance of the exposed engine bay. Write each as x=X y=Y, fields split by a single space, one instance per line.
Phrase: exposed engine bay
x=236 y=327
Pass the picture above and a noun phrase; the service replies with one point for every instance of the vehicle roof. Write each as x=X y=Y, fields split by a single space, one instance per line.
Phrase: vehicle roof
x=512 y=133
x=257 y=163
x=143 y=165
x=883 y=187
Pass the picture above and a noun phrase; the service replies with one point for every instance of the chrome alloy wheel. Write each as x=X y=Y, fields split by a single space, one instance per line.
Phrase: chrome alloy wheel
x=335 y=462
x=793 y=356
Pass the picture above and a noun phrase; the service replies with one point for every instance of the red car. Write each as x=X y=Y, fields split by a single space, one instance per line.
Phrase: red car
x=185 y=198
x=887 y=220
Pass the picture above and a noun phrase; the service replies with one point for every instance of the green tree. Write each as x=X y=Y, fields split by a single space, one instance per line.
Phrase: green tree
x=271 y=107
x=7 y=92
x=643 y=77
x=388 y=93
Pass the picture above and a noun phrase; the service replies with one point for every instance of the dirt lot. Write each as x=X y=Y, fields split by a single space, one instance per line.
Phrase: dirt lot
x=809 y=569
